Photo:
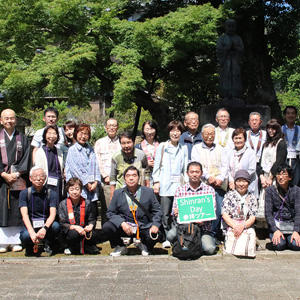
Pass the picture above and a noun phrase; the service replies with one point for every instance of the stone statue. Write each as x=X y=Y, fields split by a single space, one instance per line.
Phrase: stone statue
x=230 y=50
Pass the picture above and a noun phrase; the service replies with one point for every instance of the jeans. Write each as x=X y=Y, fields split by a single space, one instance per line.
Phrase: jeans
x=51 y=234
x=285 y=243
x=207 y=240
x=166 y=203
x=219 y=200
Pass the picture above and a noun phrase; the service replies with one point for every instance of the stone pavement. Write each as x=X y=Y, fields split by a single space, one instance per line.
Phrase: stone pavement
x=270 y=276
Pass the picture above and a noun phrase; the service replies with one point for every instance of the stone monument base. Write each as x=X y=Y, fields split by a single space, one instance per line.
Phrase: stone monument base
x=239 y=115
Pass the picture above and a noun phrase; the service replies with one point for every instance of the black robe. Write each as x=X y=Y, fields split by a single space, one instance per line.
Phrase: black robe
x=10 y=216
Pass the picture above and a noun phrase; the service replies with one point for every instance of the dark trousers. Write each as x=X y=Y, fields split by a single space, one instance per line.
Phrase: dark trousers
x=285 y=243
x=51 y=234
x=166 y=204
x=114 y=234
x=219 y=200
x=74 y=239
x=294 y=163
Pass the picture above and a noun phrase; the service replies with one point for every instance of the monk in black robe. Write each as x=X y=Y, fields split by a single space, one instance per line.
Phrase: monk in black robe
x=14 y=168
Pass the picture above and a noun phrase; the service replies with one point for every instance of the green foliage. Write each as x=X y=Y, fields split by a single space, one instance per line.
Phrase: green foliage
x=98 y=131
x=178 y=49
x=87 y=49
x=287 y=84
x=65 y=113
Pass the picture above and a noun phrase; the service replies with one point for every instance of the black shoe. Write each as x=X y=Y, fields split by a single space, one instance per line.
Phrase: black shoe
x=91 y=249
x=29 y=252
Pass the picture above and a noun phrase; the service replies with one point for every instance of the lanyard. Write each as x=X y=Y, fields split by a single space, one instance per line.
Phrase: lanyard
x=32 y=207
x=223 y=144
x=72 y=217
x=281 y=206
x=56 y=161
x=71 y=211
x=259 y=141
x=133 y=209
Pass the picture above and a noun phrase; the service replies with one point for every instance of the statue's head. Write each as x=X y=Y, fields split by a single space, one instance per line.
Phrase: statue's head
x=230 y=26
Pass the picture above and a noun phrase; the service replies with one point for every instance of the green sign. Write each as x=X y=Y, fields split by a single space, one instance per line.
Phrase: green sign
x=196 y=209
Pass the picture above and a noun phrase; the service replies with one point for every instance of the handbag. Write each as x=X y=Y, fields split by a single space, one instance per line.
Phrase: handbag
x=243 y=245
x=286 y=227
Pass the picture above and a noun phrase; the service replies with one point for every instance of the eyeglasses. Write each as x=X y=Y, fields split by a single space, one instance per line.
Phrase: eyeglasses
x=284 y=174
x=38 y=177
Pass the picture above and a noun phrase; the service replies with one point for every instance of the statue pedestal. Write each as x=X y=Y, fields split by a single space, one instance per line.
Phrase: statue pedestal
x=239 y=114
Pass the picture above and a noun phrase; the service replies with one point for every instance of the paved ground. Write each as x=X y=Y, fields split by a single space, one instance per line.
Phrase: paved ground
x=270 y=276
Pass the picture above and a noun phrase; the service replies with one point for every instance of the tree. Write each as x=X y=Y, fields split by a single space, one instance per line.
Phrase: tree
x=164 y=62
x=84 y=49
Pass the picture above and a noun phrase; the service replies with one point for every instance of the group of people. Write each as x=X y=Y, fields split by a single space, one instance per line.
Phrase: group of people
x=52 y=196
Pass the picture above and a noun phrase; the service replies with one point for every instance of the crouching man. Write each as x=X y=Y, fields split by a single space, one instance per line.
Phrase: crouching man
x=38 y=210
x=133 y=213
x=195 y=187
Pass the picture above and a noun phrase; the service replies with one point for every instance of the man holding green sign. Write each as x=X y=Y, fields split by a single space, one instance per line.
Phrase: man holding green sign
x=195 y=202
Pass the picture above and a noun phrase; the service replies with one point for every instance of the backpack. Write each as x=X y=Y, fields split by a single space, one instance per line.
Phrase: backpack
x=188 y=244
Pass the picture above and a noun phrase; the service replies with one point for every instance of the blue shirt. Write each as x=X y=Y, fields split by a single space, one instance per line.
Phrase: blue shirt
x=82 y=163
x=38 y=204
x=173 y=167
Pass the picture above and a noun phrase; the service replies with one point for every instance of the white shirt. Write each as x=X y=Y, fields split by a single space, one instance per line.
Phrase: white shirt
x=223 y=137
x=104 y=149
x=255 y=140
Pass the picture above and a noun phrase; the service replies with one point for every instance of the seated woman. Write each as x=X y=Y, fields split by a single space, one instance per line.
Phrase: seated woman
x=78 y=219
x=282 y=208
x=51 y=160
x=238 y=212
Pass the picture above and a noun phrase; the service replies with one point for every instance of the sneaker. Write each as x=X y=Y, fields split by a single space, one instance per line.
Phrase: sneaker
x=91 y=249
x=143 y=248
x=67 y=251
x=17 y=248
x=3 y=249
x=119 y=250
x=166 y=244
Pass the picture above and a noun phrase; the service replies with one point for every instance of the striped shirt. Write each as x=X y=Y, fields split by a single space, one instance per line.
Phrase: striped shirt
x=186 y=190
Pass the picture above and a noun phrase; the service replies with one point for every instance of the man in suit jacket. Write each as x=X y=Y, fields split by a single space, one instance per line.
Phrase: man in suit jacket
x=128 y=221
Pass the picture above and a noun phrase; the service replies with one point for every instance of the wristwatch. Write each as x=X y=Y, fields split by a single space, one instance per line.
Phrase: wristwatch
x=46 y=228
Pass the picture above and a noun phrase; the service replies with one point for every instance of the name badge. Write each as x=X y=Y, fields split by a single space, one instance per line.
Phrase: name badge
x=38 y=223
x=52 y=181
x=175 y=178
x=292 y=154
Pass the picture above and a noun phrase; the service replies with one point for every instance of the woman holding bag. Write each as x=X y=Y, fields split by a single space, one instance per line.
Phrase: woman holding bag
x=238 y=212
